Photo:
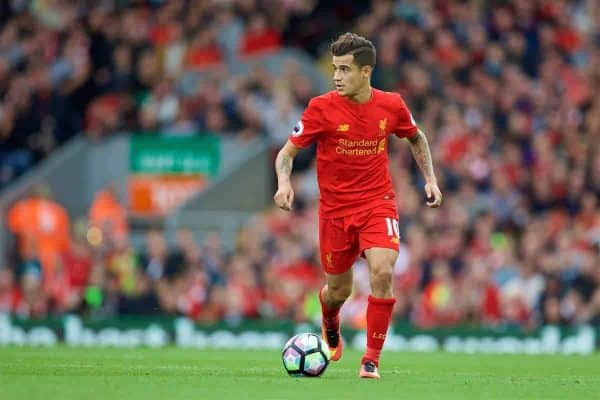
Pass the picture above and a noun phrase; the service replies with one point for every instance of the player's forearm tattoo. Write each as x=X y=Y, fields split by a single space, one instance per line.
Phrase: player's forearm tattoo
x=422 y=154
x=283 y=166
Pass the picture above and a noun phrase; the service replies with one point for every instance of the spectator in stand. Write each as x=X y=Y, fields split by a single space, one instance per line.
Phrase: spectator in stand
x=108 y=215
x=41 y=229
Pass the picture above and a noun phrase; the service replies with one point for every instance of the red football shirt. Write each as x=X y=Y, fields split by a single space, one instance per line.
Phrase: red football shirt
x=352 y=160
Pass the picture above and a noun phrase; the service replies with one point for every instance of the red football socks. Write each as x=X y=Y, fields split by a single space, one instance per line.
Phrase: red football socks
x=331 y=315
x=379 y=313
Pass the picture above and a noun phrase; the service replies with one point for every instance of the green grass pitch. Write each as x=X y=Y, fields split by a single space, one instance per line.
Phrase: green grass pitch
x=143 y=374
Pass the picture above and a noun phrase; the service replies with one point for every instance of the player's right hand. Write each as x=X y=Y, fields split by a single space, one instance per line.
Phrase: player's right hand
x=284 y=197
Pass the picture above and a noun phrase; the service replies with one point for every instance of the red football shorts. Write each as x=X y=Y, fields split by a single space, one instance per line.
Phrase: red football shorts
x=343 y=239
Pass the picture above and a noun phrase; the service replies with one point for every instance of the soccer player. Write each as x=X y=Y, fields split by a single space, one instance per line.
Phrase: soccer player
x=357 y=213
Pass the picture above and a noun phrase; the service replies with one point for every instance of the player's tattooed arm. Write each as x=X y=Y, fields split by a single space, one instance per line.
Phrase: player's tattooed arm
x=420 y=150
x=285 y=160
x=422 y=154
x=284 y=197
x=283 y=166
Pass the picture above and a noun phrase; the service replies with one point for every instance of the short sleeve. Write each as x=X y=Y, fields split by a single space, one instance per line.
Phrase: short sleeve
x=406 y=127
x=308 y=128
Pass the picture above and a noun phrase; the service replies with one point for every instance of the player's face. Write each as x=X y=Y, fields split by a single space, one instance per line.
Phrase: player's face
x=348 y=77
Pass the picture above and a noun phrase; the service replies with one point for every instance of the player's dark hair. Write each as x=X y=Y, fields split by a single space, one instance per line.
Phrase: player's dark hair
x=362 y=49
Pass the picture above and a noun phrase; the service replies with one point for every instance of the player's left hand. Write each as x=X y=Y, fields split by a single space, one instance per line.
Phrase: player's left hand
x=434 y=195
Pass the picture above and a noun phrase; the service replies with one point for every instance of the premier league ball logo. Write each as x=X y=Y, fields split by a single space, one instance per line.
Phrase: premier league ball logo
x=298 y=129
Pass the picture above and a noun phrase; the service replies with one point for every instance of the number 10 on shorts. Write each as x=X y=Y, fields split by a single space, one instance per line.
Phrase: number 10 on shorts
x=392 y=227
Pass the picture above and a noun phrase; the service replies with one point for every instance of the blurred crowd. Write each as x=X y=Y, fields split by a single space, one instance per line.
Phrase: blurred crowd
x=159 y=67
x=509 y=96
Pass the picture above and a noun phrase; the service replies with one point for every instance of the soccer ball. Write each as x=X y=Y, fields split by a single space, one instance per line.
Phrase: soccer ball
x=306 y=354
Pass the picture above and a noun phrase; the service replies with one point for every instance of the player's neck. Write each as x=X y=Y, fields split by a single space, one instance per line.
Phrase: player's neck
x=363 y=95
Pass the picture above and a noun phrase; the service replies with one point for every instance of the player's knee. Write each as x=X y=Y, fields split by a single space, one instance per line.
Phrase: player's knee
x=382 y=275
x=339 y=293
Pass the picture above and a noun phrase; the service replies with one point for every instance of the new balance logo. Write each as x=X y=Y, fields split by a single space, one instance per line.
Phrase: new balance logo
x=343 y=128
